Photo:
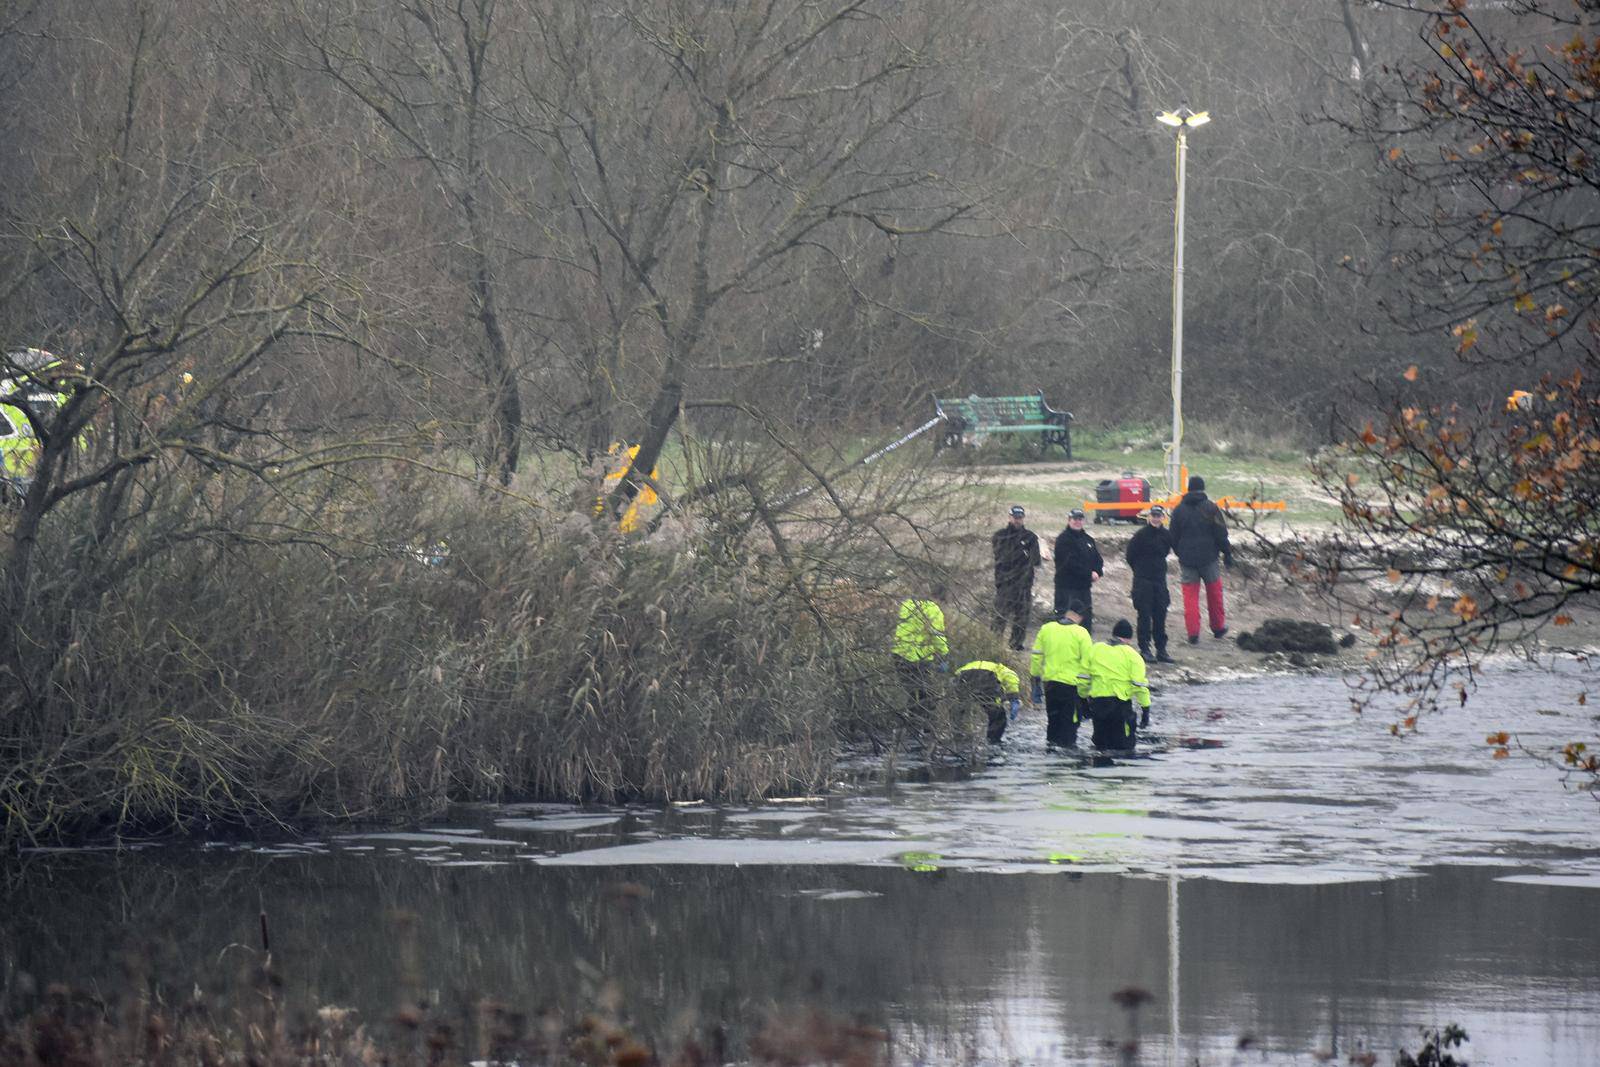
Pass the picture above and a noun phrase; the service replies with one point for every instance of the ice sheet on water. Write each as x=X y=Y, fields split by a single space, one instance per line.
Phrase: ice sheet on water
x=772 y=816
x=1575 y=879
x=456 y=862
x=732 y=851
x=429 y=837
x=1293 y=874
x=1297 y=789
x=559 y=822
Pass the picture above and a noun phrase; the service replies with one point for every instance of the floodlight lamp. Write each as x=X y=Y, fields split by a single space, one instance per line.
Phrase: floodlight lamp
x=1199 y=118
x=1168 y=118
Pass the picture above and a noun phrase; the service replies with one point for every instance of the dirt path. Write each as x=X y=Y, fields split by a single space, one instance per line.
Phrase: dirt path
x=1251 y=596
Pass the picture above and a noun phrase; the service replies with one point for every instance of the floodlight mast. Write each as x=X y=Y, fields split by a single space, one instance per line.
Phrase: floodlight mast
x=1183 y=120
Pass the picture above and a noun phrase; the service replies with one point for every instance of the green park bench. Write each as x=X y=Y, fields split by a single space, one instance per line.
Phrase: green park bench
x=1002 y=414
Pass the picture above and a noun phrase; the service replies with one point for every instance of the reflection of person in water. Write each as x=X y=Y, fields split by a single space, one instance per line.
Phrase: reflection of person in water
x=995 y=688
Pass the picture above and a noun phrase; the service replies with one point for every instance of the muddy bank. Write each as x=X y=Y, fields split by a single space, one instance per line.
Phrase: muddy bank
x=1253 y=593
x=1255 y=589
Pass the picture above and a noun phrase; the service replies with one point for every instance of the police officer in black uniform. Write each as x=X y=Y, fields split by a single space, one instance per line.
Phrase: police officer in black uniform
x=1078 y=567
x=1016 y=555
x=1147 y=554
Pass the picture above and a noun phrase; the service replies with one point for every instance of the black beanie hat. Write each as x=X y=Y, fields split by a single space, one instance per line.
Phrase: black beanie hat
x=1123 y=628
x=1196 y=484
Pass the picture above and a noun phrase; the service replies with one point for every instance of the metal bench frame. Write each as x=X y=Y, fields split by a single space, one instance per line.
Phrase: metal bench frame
x=1002 y=414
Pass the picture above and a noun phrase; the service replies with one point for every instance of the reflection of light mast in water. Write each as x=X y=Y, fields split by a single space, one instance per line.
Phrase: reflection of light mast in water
x=1172 y=964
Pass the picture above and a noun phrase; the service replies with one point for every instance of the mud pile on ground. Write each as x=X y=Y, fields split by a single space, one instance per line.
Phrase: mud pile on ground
x=1293 y=635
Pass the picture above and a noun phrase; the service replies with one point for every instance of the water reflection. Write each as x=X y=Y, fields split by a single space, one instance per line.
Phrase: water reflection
x=944 y=957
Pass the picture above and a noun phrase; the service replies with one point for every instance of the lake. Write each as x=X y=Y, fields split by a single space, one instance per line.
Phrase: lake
x=1273 y=868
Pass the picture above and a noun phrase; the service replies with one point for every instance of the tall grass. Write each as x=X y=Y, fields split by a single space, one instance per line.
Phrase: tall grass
x=403 y=659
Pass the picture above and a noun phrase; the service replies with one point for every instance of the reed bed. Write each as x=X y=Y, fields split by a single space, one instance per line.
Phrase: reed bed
x=402 y=659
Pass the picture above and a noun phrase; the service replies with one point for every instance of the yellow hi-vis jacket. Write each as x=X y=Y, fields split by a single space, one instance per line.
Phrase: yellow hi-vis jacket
x=621 y=462
x=1010 y=684
x=919 y=635
x=1061 y=653
x=1118 y=671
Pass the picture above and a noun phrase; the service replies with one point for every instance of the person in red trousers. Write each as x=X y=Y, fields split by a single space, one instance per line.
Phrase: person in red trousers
x=1200 y=540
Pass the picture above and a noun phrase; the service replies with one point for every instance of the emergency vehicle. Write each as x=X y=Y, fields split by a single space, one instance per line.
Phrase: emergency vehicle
x=23 y=385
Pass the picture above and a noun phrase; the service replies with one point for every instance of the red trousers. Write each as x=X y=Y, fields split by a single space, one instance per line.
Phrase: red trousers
x=1191 y=607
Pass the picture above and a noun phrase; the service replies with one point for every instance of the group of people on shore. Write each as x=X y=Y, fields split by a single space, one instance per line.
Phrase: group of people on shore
x=1076 y=678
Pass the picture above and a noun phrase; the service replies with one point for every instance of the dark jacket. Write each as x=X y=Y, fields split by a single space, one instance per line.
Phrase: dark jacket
x=1016 y=554
x=1147 y=554
x=1199 y=532
x=1077 y=556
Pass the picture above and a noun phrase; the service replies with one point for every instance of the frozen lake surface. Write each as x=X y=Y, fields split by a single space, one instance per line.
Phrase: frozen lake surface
x=1272 y=866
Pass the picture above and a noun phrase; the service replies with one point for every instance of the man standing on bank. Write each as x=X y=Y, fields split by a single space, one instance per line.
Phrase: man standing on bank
x=1147 y=554
x=1199 y=537
x=1078 y=567
x=1016 y=555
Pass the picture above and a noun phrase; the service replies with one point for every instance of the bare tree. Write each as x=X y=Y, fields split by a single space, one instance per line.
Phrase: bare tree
x=424 y=71
x=1472 y=527
x=709 y=156
x=162 y=263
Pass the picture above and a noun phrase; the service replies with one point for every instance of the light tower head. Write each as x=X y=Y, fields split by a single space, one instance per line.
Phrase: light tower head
x=1184 y=116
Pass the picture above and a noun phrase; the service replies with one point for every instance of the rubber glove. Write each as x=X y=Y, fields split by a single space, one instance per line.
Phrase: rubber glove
x=1038 y=691
x=1016 y=708
x=1144 y=718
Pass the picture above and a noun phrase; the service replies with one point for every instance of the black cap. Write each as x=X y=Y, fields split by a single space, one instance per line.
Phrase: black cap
x=1075 y=513
x=1123 y=629
x=1016 y=510
x=1196 y=484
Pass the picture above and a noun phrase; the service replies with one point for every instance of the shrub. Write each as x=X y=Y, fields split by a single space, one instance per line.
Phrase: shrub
x=403 y=658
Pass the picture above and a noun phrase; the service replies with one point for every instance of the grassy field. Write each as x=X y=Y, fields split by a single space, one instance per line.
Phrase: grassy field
x=1016 y=472
x=1012 y=469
